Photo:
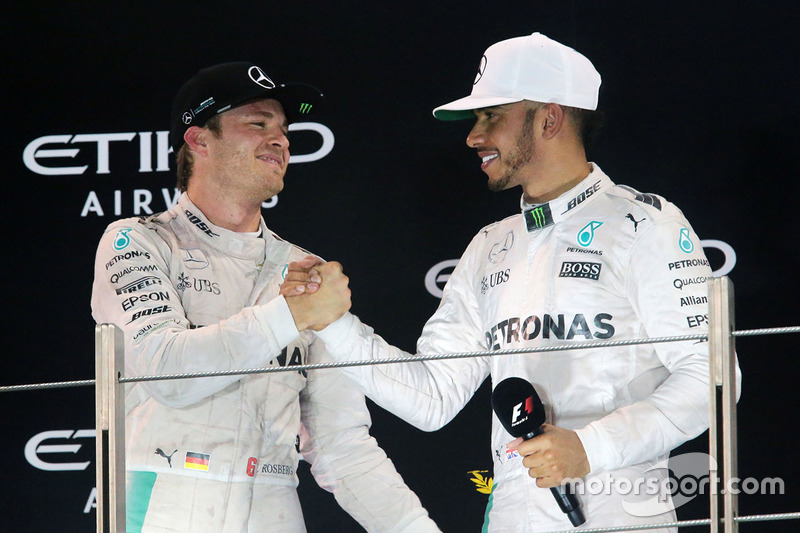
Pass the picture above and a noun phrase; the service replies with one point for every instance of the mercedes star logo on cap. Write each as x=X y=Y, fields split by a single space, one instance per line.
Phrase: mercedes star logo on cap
x=481 y=70
x=258 y=77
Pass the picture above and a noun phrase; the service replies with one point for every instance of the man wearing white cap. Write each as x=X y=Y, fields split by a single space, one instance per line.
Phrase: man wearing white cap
x=584 y=260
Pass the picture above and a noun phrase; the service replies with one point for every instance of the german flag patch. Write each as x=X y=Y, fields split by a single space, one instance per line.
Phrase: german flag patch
x=197 y=461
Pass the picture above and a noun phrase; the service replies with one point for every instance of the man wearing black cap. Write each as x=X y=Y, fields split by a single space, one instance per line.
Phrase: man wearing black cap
x=583 y=260
x=196 y=289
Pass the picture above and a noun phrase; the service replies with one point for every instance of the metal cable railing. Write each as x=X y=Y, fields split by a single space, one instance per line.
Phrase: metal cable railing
x=431 y=357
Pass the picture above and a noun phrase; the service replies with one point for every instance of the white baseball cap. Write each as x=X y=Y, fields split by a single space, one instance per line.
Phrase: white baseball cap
x=533 y=67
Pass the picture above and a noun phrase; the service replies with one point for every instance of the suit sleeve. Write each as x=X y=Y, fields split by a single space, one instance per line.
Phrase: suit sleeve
x=678 y=409
x=159 y=338
x=426 y=394
x=347 y=461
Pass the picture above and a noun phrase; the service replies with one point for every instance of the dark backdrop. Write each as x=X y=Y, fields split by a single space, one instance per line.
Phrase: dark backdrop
x=701 y=102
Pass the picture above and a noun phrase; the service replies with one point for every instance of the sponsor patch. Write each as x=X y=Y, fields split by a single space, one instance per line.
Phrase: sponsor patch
x=586 y=234
x=645 y=198
x=194 y=259
x=139 y=284
x=580 y=269
x=494 y=279
x=686 y=244
x=121 y=240
x=197 y=461
x=500 y=250
x=538 y=217
x=695 y=321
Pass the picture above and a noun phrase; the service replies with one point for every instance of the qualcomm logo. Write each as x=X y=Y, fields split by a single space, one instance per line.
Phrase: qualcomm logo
x=55 y=155
x=437 y=276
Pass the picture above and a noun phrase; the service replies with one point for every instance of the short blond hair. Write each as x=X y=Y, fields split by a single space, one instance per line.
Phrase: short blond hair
x=184 y=160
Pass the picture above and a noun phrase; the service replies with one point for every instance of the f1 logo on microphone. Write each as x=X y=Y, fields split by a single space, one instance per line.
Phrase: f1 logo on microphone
x=521 y=411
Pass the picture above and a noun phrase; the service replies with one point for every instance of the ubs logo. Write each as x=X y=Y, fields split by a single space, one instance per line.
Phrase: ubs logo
x=495 y=279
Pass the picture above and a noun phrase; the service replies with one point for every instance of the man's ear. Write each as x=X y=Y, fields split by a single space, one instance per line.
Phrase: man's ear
x=195 y=139
x=553 y=120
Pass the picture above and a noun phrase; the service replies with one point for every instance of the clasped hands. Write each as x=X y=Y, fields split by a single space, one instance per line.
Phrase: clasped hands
x=316 y=291
x=553 y=457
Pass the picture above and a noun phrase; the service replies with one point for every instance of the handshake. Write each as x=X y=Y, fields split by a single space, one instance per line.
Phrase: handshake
x=317 y=292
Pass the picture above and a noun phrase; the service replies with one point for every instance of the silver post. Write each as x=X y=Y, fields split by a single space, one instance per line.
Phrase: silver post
x=110 y=426
x=722 y=422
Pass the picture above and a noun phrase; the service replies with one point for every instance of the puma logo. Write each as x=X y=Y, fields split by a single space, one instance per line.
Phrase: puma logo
x=160 y=452
x=635 y=222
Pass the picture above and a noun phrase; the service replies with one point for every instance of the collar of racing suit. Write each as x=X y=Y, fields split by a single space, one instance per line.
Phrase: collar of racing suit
x=543 y=215
x=242 y=245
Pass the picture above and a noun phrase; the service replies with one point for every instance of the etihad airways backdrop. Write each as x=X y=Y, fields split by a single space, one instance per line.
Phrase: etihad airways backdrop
x=701 y=107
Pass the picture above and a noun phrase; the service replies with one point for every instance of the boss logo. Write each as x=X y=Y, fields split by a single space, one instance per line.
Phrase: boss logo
x=580 y=269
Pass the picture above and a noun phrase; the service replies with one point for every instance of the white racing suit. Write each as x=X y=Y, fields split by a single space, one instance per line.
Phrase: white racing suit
x=220 y=454
x=599 y=262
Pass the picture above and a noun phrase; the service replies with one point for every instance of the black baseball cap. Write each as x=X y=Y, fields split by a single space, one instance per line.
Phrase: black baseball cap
x=221 y=87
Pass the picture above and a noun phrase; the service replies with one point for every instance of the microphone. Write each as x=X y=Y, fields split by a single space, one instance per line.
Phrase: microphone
x=521 y=412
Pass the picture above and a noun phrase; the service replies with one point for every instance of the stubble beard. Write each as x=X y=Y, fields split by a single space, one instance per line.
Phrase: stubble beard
x=522 y=154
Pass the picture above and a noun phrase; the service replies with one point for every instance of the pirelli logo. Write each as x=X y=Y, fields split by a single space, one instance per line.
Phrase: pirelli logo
x=139 y=284
x=580 y=269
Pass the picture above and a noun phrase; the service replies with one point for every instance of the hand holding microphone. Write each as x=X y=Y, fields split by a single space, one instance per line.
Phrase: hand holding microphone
x=517 y=405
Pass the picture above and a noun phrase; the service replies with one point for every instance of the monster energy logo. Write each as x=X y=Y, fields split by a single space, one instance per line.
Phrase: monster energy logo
x=305 y=108
x=538 y=217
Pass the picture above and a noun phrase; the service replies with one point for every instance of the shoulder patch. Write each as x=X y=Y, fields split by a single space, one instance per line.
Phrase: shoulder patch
x=646 y=198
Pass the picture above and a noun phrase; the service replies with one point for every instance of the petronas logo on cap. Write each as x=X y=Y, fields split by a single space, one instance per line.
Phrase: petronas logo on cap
x=305 y=108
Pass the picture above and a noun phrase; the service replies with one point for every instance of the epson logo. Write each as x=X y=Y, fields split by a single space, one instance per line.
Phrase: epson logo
x=580 y=269
x=55 y=155
x=130 y=303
